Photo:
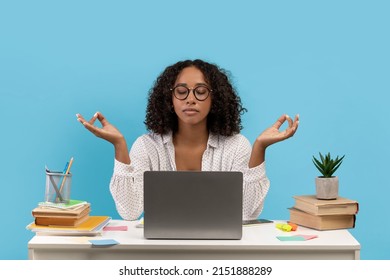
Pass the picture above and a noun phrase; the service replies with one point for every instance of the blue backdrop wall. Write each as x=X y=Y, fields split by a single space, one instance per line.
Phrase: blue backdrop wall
x=327 y=61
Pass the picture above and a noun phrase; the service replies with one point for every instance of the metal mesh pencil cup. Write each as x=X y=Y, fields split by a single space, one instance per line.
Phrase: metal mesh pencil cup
x=58 y=187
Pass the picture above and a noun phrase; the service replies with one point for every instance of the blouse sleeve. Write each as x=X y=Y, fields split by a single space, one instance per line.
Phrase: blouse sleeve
x=126 y=184
x=256 y=183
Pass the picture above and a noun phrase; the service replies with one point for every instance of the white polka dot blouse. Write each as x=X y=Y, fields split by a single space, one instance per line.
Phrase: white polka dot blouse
x=156 y=152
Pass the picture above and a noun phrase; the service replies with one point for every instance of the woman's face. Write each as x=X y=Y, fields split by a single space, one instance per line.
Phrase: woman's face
x=190 y=110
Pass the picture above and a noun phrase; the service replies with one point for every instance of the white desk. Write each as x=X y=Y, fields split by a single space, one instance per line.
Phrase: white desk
x=258 y=242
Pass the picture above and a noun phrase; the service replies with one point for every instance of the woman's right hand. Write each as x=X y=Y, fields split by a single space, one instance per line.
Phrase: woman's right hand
x=107 y=132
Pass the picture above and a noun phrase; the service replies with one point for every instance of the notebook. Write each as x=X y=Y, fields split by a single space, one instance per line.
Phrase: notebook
x=193 y=205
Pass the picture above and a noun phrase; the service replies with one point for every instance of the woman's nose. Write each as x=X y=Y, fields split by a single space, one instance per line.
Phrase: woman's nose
x=191 y=97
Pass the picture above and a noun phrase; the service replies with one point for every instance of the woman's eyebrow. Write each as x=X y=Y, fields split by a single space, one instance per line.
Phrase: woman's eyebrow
x=197 y=84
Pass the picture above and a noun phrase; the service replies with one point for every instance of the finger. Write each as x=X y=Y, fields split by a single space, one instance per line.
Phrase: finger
x=290 y=121
x=80 y=118
x=291 y=130
x=93 y=119
x=296 y=123
x=280 y=121
x=101 y=118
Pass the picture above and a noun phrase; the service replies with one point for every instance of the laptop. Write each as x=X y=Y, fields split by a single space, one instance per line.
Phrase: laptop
x=193 y=204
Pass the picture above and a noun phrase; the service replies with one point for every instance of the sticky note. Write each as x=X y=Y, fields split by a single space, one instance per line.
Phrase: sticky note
x=298 y=237
x=291 y=238
x=307 y=237
x=115 y=228
x=103 y=242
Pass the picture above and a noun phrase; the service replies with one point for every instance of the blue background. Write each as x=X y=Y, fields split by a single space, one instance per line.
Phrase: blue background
x=329 y=61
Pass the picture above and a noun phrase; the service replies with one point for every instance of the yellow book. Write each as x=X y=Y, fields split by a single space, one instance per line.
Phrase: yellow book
x=92 y=225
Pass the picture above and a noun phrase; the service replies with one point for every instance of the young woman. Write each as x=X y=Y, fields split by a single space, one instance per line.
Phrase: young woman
x=193 y=115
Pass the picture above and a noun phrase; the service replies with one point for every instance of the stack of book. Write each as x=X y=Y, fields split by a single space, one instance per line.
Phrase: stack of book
x=320 y=214
x=59 y=214
x=72 y=218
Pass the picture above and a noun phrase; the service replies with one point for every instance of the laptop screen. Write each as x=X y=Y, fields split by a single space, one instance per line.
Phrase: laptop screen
x=193 y=204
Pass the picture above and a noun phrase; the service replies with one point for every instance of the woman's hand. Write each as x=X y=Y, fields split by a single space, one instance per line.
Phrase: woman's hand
x=109 y=133
x=272 y=134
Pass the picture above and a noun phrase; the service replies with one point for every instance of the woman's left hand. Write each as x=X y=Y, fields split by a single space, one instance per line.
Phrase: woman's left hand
x=272 y=134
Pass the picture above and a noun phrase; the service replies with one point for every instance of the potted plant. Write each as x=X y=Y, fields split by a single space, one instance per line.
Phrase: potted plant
x=327 y=185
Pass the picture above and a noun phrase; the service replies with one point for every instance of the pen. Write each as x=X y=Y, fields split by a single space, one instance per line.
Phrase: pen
x=66 y=167
x=60 y=183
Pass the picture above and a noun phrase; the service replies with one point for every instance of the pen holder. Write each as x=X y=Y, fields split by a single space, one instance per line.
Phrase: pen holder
x=58 y=187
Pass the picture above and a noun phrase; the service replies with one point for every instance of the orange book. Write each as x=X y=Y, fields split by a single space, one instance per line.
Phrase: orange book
x=61 y=221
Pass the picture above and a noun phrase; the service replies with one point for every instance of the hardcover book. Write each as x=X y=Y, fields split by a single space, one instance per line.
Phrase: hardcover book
x=323 y=222
x=42 y=211
x=61 y=221
x=339 y=206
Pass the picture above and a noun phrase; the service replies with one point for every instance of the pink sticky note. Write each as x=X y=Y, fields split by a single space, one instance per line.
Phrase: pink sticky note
x=115 y=228
x=307 y=237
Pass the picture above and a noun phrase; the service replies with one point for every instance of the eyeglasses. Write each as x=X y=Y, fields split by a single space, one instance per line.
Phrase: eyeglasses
x=200 y=92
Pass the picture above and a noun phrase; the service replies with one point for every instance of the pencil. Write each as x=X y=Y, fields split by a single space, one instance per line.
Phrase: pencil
x=66 y=173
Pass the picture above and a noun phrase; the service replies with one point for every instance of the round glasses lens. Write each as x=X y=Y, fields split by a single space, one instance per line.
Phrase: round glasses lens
x=180 y=92
x=201 y=92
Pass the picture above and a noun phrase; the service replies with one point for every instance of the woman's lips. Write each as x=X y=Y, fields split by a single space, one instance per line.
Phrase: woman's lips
x=190 y=111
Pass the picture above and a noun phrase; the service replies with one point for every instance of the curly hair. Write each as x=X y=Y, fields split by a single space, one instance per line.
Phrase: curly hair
x=224 y=117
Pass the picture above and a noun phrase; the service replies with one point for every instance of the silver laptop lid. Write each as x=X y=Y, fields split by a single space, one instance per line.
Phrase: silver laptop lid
x=193 y=204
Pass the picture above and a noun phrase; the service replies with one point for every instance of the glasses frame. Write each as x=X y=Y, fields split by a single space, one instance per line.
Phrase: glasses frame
x=193 y=89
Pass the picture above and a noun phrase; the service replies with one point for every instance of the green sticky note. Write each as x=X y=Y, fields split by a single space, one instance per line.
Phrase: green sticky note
x=291 y=238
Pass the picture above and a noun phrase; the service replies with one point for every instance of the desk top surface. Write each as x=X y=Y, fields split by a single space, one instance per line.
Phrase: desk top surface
x=261 y=236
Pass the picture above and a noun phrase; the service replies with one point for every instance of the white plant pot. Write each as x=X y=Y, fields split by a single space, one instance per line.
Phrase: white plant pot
x=327 y=188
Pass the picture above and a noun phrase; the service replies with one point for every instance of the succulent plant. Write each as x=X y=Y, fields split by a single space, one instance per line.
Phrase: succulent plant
x=327 y=165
